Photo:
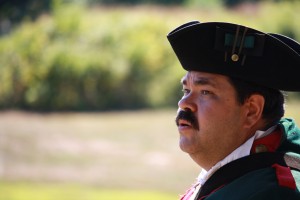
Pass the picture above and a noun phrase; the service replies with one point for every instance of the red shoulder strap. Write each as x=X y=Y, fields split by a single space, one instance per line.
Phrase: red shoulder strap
x=284 y=176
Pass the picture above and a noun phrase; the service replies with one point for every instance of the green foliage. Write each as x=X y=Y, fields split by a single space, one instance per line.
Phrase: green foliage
x=166 y=2
x=204 y=3
x=80 y=58
x=15 y=10
x=75 y=60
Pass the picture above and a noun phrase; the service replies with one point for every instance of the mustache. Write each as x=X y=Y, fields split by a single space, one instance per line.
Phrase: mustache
x=188 y=116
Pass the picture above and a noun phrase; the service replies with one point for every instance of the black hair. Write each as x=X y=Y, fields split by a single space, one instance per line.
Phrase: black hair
x=273 y=109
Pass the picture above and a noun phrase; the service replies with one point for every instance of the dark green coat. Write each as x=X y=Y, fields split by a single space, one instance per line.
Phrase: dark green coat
x=256 y=185
x=240 y=180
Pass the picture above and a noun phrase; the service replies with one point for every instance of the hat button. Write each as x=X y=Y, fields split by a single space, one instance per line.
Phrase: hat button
x=234 y=57
x=261 y=148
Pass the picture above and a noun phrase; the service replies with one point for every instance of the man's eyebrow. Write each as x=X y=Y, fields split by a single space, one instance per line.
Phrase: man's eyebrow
x=203 y=81
x=199 y=81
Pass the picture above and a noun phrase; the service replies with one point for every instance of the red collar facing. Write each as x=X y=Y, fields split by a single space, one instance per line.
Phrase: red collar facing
x=268 y=143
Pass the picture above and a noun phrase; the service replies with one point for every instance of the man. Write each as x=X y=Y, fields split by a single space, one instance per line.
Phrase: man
x=230 y=116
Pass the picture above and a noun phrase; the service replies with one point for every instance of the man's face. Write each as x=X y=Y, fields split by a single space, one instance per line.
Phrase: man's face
x=210 y=119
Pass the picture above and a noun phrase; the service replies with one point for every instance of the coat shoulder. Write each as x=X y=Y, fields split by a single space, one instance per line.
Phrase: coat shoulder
x=256 y=185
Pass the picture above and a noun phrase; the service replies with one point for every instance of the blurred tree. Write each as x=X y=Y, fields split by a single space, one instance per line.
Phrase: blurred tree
x=14 y=11
x=204 y=3
x=167 y=2
x=78 y=58
x=231 y=3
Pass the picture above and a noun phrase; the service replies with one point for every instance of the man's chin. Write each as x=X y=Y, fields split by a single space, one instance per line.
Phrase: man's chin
x=186 y=147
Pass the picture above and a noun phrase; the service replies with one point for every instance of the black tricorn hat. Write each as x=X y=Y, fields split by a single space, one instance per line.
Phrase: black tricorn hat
x=270 y=60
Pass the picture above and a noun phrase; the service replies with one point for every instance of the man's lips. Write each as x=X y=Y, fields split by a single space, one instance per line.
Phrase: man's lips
x=184 y=123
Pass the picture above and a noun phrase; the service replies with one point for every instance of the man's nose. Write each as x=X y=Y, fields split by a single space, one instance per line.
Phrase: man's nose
x=187 y=103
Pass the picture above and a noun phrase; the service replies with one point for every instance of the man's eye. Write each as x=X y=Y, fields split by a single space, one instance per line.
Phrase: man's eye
x=205 y=92
x=186 y=91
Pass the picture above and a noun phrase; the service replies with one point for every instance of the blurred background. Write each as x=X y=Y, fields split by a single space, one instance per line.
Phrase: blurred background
x=89 y=91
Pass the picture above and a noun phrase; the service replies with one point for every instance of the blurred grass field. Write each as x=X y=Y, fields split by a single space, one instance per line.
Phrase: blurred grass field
x=125 y=154
x=25 y=191
x=86 y=156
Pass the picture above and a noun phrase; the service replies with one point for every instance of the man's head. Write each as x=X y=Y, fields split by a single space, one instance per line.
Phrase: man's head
x=232 y=87
x=217 y=114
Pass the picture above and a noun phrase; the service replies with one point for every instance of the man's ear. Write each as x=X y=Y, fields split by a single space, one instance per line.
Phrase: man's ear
x=254 y=109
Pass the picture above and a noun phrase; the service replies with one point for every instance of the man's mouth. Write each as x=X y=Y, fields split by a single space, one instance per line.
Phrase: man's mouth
x=184 y=123
x=186 y=119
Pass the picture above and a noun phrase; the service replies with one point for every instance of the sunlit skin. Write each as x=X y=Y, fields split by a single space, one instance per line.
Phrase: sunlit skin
x=224 y=123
